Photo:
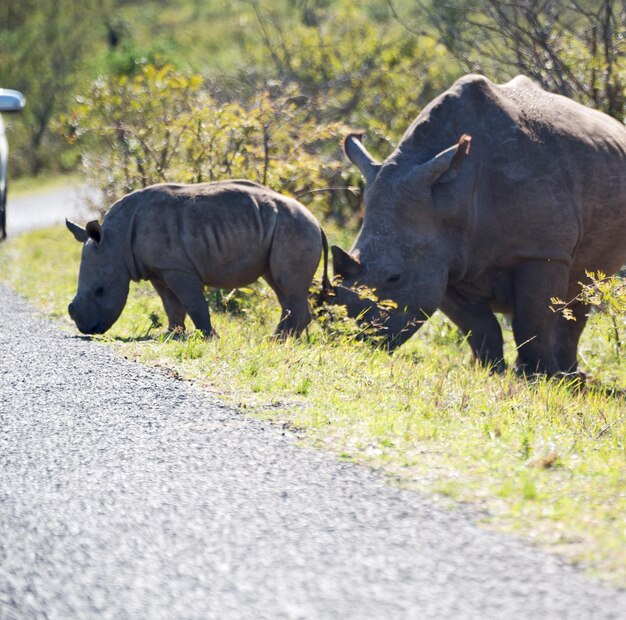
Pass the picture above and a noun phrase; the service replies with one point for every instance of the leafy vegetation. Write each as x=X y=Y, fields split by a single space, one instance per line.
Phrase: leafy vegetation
x=372 y=65
x=543 y=459
x=160 y=125
x=339 y=54
x=355 y=67
x=47 y=50
x=572 y=47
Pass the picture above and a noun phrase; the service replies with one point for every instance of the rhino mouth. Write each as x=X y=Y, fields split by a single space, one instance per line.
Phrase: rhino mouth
x=380 y=324
x=87 y=327
x=383 y=333
x=93 y=331
x=90 y=330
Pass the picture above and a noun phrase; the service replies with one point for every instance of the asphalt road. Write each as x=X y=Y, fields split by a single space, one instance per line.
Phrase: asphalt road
x=125 y=493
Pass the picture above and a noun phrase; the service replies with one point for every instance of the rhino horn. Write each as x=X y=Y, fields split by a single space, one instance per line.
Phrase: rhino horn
x=94 y=230
x=80 y=234
x=443 y=167
x=344 y=265
x=359 y=156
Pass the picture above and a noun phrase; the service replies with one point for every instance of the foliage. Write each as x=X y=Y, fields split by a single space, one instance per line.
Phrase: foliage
x=43 y=46
x=278 y=125
x=364 y=71
x=162 y=125
x=540 y=458
x=606 y=292
x=608 y=295
x=370 y=65
x=573 y=47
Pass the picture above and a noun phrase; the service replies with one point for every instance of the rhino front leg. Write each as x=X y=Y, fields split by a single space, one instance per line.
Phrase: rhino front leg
x=536 y=282
x=173 y=308
x=478 y=323
x=189 y=290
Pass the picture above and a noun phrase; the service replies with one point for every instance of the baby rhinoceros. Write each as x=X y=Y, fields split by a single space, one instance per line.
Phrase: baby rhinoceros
x=185 y=237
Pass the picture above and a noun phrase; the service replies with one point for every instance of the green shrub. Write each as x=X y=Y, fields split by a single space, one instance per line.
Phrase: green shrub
x=605 y=297
x=361 y=69
x=163 y=125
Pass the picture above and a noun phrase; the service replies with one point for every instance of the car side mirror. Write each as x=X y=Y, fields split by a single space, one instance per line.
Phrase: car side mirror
x=11 y=100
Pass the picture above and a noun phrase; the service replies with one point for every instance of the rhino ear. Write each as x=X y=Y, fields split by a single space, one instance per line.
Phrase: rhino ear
x=445 y=166
x=358 y=155
x=442 y=168
x=80 y=234
x=94 y=230
x=345 y=265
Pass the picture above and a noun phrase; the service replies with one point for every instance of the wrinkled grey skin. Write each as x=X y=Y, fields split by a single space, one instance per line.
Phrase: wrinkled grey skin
x=183 y=237
x=501 y=220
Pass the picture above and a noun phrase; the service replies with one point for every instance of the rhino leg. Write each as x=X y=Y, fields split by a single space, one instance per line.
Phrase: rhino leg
x=293 y=298
x=294 y=256
x=566 y=337
x=173 y=308
x=478 y=323
x=535 y=284
x=189 y=290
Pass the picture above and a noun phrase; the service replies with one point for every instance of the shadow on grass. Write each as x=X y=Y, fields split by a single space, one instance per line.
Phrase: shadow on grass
x=595 y=387
x=125 y=339
x=162 y=337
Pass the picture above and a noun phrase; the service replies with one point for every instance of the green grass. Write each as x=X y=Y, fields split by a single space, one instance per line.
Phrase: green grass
x=42 y=183
x=541 y=459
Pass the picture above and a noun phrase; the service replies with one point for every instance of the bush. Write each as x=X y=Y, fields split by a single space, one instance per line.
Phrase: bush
x=362 y=69
x=606 y=295
x=163 y=125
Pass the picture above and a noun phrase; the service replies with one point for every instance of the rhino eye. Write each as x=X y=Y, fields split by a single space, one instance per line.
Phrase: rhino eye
x=99 y=292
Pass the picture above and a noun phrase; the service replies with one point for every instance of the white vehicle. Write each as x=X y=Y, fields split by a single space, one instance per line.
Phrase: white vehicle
x=10 y=101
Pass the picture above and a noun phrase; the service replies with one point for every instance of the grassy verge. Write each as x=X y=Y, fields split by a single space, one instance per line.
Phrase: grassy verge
x=43 y=183
x=540 y=459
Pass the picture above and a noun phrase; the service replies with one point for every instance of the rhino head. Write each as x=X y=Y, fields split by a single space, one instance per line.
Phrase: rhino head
x=103 y=280
x=410 y=241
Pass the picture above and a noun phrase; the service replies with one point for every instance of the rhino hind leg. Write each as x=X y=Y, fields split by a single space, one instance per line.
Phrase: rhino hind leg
x=294 y=257
x=174 y=310
x=188 y=289
x=293 y=298
x=536 y=282
x=479 y=324
x=566 y=337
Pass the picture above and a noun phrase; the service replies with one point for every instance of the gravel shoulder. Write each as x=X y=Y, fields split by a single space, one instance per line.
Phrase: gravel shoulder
x=125 y=493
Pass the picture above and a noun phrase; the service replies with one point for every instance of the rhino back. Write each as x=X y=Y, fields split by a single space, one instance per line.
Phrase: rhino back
x=222 y=231
x=551 y=173
x=512 y=122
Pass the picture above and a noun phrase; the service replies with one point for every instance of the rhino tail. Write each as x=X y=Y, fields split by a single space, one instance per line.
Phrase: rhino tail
x=326 y=286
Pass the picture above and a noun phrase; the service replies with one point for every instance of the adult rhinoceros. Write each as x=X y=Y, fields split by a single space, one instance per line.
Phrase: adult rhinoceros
x=538 y=200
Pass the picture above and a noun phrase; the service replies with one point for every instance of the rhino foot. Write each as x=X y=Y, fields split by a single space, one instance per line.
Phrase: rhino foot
x=576 y=380
x=209 y=334
x=179 y=333
x=175 y=333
